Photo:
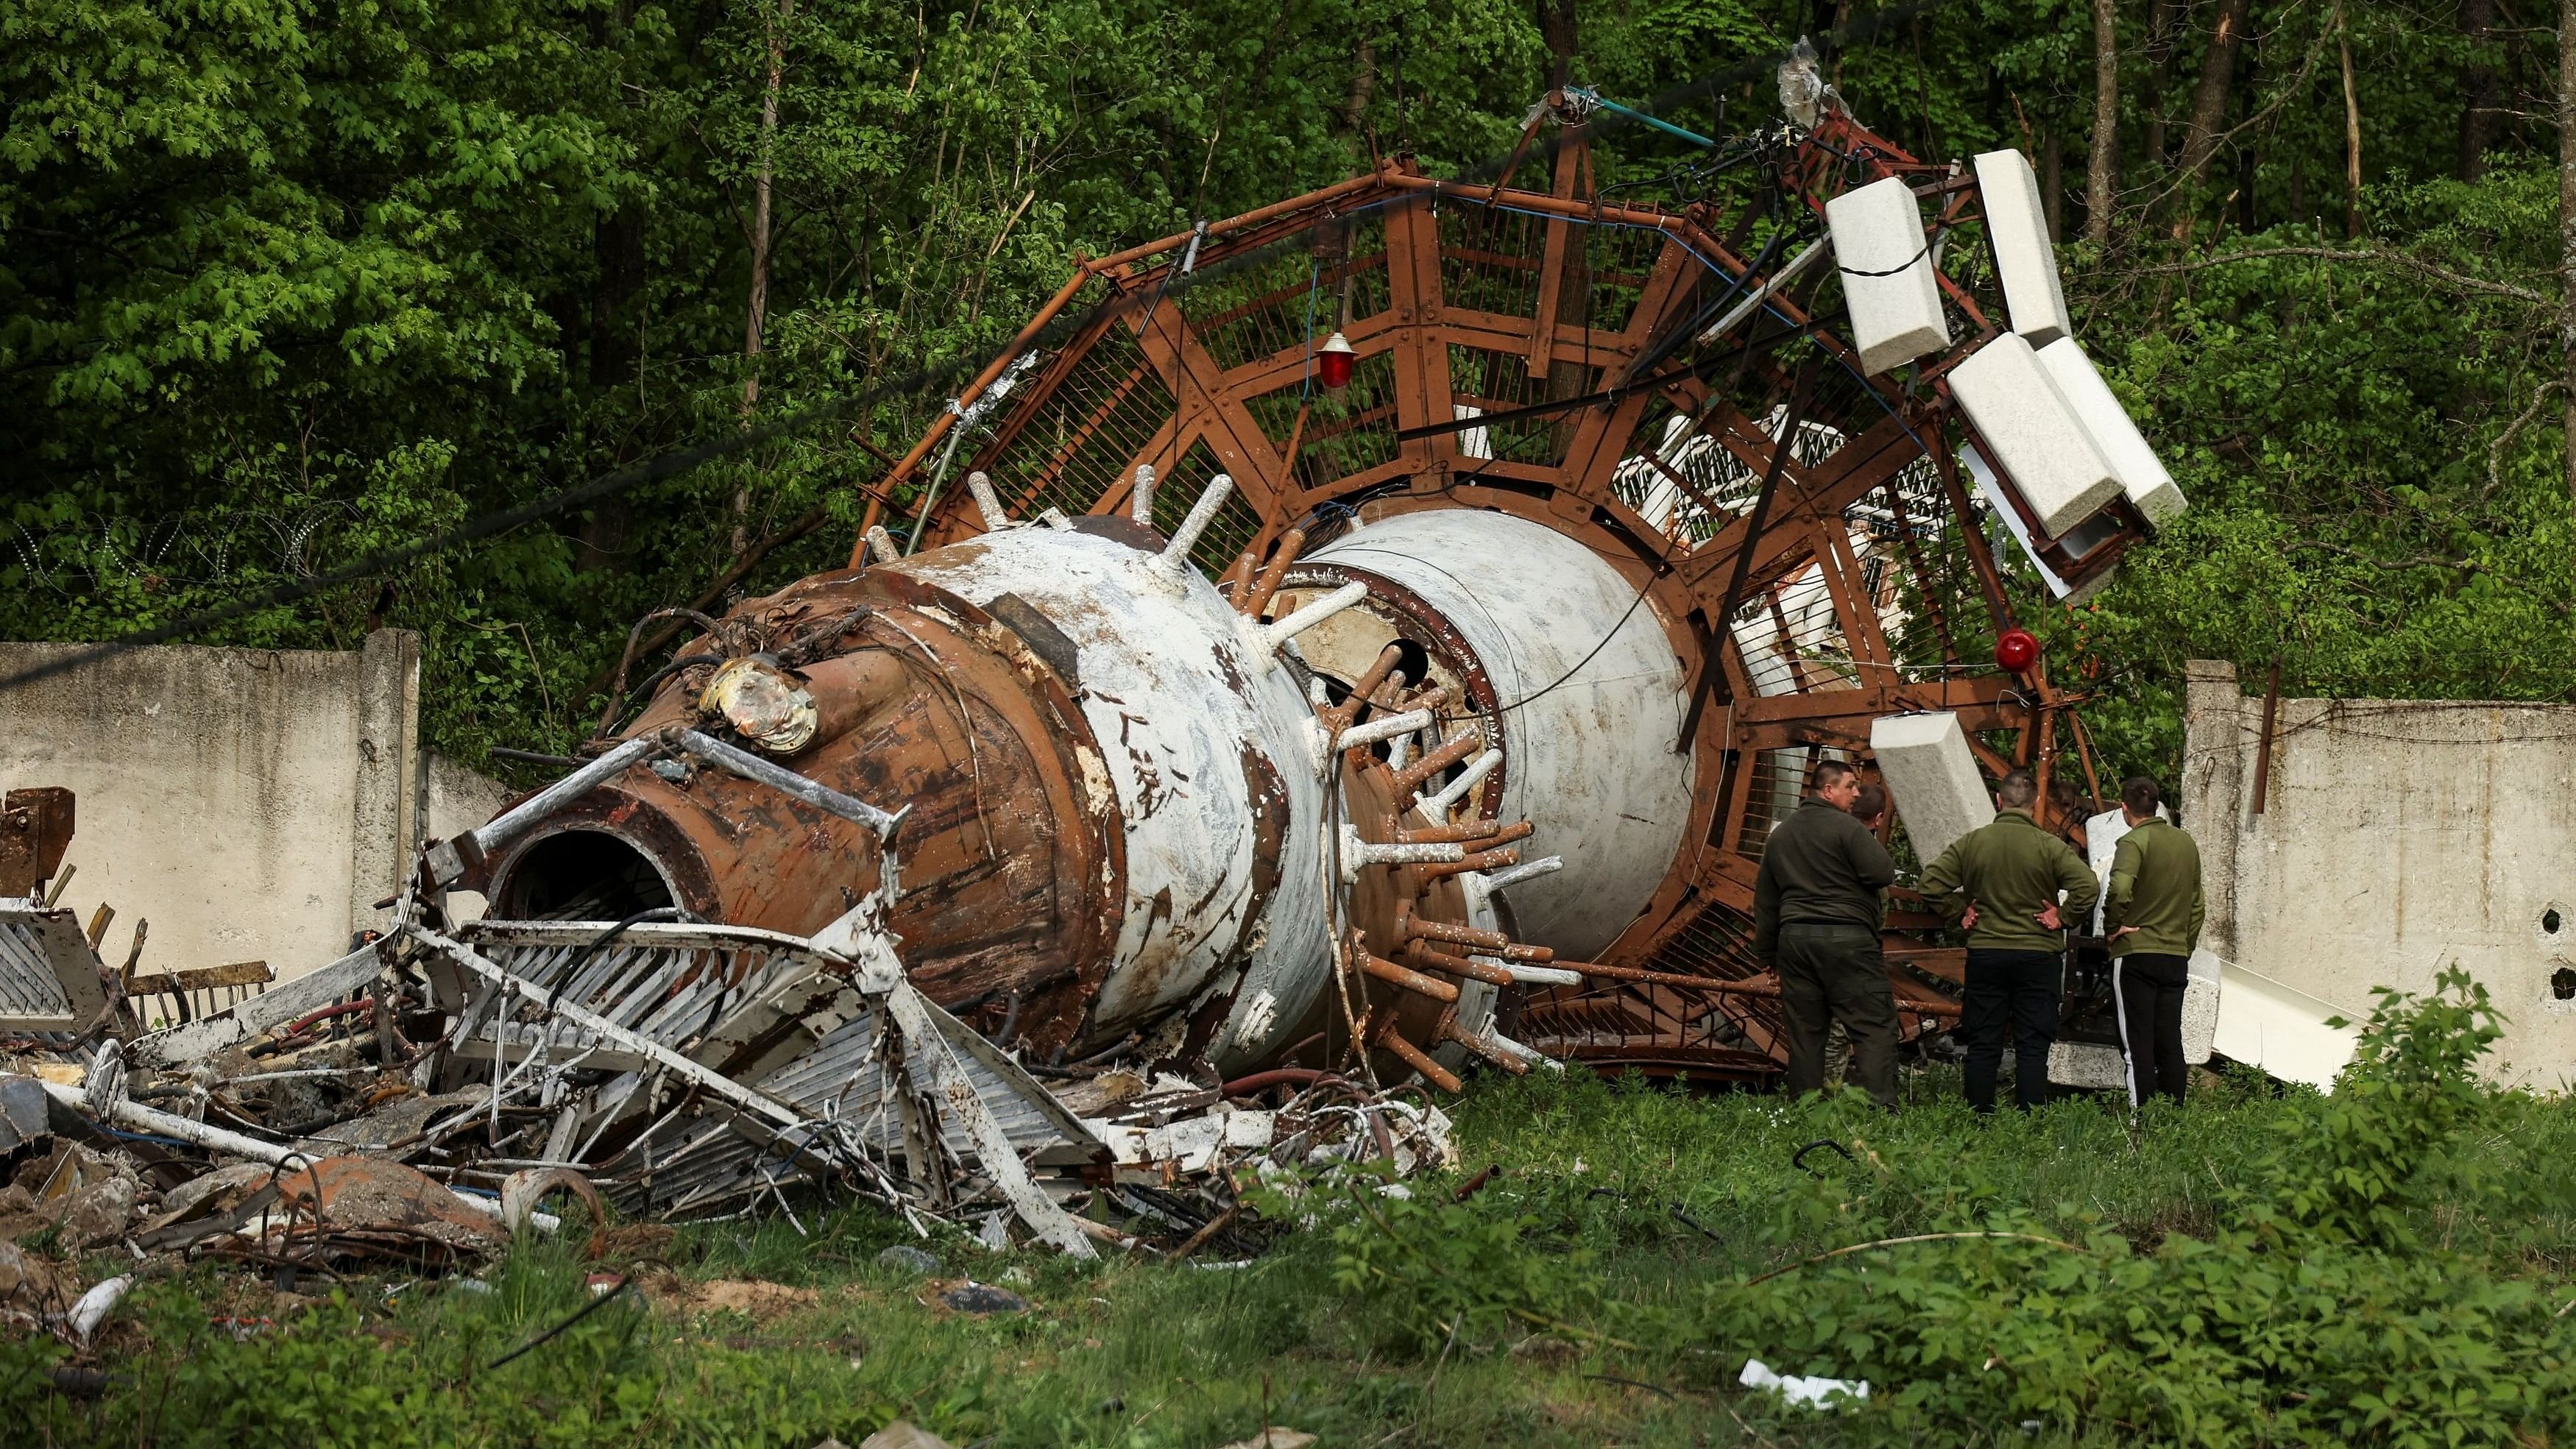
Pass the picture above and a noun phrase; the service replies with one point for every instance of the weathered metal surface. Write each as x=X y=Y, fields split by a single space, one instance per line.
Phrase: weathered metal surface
x=35 y=830
x=1581 y=672
x=1012 y=851
x=49 y=976
x=1208 y=748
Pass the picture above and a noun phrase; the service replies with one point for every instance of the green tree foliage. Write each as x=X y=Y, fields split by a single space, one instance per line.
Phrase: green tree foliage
x=286 y=280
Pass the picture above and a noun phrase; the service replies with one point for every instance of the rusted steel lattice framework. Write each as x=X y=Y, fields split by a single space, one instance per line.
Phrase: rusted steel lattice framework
x=1664 y=386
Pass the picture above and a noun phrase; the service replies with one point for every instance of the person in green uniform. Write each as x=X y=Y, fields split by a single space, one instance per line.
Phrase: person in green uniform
x=2003 y=882
x=1815 y=924
x=2153 y=915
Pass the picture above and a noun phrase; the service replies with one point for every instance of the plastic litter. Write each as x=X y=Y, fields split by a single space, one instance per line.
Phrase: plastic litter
x=95 y=1305
x=1813 y=1391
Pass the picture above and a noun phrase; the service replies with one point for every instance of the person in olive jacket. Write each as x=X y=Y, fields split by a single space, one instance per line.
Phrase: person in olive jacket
x=2152 y=915
x=1815 y=924
x=2003 y=882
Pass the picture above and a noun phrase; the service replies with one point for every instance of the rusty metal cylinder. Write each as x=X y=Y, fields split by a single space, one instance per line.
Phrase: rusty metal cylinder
x=1212 y=756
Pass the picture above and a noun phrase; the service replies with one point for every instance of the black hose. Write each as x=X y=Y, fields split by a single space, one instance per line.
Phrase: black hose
x=1799 y=1158
x=591 y=948
x=587 y=1309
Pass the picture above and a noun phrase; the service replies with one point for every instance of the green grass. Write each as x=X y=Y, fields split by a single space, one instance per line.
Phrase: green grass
x=1580 y=1225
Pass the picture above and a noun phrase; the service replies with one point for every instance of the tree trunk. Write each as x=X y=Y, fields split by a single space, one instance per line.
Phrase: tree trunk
x=617 y=249
x=2567 y=224
x=2351 y=144
x=2160 y=55
x=2209 y=97
x=2477 y=88
x=2102 y=167
x=756 y=310
x=1363 y=86
x=1556 y=25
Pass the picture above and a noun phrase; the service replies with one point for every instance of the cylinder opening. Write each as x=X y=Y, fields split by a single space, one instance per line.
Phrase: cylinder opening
x=580 y=875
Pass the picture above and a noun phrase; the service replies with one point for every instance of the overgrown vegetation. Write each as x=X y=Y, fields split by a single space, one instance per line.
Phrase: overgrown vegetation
x=2383 y=1266
x=286 y=280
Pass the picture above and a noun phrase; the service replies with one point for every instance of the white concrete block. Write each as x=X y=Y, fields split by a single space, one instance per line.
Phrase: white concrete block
x=2089 y=1065
x=1895 y=318
x=2200 y=1007
x=2032 y=435
x=1932 y=778
x=2142 y=475
x=2017 y=226
x=2103 y=1068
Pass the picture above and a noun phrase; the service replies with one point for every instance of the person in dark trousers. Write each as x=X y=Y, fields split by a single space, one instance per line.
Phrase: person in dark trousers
x=2152 y=915
x=1869 y=807
x=1815 y=923
x=2002 y=881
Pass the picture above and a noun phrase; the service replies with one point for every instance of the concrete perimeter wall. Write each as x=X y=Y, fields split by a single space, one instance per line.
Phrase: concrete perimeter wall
x=2398 y=837
x=252 y=804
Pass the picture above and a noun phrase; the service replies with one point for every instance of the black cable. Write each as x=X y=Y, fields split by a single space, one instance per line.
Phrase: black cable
x=590 y=949
x=1642 y=590
x=624 y=1281
x=1798 y=1159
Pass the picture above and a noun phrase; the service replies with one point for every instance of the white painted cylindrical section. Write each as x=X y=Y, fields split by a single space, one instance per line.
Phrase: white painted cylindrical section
x=1201 y=739
x=1593 y=701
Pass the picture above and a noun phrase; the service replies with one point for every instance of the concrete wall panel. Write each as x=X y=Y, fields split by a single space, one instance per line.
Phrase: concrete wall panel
x=252 y=804
x=2398 y=838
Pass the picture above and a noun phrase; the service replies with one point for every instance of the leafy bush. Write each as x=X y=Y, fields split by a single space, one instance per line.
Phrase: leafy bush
x=1438 y=1272
x=2315 y=1313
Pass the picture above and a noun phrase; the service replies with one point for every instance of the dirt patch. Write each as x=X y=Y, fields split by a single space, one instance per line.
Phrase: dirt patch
x=756 y=1300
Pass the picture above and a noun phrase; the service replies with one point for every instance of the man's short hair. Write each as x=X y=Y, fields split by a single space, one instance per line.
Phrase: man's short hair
x=1870 y=803
x=2017 y=789
x=2141 y=795
x=1826 y=775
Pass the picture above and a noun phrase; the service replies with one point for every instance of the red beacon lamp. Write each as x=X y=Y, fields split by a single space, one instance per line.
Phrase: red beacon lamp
x=1333 y=362
x=2016 y=649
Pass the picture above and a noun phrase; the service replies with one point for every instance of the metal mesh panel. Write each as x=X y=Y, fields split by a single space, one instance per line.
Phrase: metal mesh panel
x=1778 y=782
x=1079 y=444
x=1618 y=261
x=1719 y=943
x=1346 y=432
x=1934 y=614
x=1484 y=381
x=1265 y=308
x=1489 y=260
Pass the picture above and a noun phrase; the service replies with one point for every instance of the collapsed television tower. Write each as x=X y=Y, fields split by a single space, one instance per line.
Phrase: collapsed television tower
x=1380 y=633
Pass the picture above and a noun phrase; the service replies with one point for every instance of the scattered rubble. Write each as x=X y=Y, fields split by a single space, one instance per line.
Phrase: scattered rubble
x=417 y=1103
